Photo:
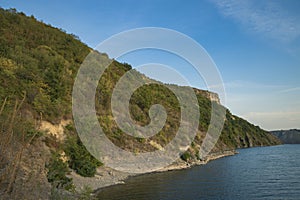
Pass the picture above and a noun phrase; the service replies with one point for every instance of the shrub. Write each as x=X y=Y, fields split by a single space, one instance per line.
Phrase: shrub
x=185 y=156
x=57 y=170
x=80 y=159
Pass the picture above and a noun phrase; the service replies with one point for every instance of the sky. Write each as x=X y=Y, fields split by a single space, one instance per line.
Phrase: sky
x=254 y=44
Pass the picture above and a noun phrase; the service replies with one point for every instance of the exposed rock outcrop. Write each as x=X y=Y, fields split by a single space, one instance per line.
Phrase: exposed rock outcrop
x=210 y=95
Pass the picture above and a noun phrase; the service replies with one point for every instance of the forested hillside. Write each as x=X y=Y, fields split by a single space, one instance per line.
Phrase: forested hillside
x=38 y=64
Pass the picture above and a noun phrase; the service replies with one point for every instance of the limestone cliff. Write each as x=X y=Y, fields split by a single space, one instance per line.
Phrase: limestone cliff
x=210 y=95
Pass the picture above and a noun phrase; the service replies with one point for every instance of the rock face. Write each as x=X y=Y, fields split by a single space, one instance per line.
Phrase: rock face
x=288 y=136
x=210 y=95
x=56 y=130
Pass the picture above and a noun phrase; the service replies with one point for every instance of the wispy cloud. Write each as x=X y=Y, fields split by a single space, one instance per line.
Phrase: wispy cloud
x=263 y=17
x=293 y=89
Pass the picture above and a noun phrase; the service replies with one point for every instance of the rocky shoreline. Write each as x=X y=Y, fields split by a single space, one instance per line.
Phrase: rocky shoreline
x=107 y=177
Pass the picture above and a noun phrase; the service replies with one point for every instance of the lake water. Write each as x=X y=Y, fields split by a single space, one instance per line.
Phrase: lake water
x=254 y=173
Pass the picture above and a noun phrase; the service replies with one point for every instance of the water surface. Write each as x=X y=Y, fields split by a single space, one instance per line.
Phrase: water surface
x=254 y=173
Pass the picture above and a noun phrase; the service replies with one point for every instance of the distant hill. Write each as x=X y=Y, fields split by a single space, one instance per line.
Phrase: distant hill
x=38 y=142
x=288 y=136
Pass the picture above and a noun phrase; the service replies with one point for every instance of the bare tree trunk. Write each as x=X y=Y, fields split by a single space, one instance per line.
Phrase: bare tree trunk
x=3 y=105
x=17 y=161
x=6 y=146
x=9 y=132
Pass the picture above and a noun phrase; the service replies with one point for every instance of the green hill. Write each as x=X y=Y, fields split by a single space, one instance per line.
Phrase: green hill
x=38 y=65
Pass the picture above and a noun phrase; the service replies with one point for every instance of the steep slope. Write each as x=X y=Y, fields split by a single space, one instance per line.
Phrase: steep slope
x=288 y=136
x=38 y=64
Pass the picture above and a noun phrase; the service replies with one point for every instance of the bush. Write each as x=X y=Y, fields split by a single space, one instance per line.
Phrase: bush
x=57 y=170
x=185 y=156
x=80 y=159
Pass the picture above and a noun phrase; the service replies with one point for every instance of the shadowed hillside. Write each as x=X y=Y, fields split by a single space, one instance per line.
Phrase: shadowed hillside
x=288 y=136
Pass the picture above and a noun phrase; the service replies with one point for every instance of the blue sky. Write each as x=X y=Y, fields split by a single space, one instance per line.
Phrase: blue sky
x=255 y=44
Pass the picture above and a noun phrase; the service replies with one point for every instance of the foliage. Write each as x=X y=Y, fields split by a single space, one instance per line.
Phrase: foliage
x=85 y=193
x=57 y=171
x=42 y=61
x=185 y=156
x=79 y=158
